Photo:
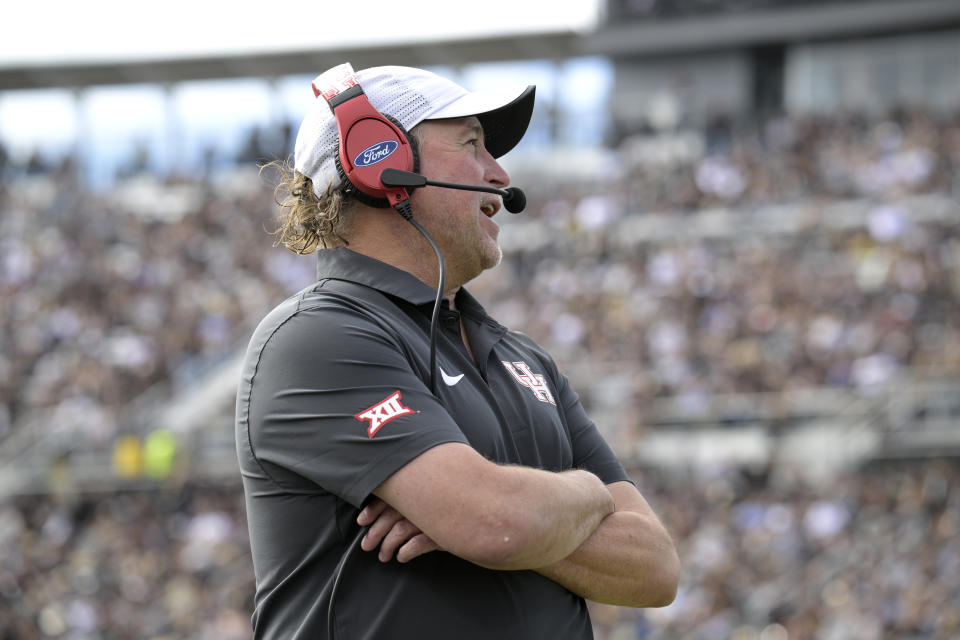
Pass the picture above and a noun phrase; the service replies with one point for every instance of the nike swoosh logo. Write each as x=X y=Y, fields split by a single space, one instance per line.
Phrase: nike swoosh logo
x=450 y=380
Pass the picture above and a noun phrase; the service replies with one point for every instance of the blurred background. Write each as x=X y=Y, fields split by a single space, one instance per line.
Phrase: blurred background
x=741 y=244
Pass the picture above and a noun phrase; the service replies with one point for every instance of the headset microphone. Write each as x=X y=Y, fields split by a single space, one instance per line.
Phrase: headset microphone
x=514 y=199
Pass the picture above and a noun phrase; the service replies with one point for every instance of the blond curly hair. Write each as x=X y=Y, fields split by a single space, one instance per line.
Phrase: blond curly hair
x=308 y=222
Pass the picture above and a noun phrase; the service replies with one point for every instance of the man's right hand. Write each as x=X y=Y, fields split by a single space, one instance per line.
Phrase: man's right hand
x=502 y=517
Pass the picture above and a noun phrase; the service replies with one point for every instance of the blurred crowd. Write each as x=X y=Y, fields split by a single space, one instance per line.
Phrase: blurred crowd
x=789 y=159
x=108 y=294
x=869 y=555
x=857 y=308
x=812 y=253
x=707 y=263
x=156 y=564
x=872 y=555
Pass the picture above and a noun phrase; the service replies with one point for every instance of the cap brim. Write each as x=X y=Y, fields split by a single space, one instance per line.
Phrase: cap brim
x=504 y=115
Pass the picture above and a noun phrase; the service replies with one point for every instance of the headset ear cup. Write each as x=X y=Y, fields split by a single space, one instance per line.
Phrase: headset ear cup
x=356 y=194
x=352 y=190
x=413 y=144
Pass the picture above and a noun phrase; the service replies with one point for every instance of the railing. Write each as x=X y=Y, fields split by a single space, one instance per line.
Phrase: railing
x=908 y=417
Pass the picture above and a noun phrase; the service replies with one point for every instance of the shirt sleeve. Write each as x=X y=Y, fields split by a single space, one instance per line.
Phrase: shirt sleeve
x=334 y=403
x=590 y=450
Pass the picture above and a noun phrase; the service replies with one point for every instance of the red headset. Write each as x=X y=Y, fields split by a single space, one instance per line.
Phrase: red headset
x=369 y=140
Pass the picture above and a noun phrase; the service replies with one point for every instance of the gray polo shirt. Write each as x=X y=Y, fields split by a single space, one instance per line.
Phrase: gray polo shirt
x=335 y=397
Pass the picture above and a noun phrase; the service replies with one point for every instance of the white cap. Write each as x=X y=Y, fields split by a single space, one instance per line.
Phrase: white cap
x=409 y=96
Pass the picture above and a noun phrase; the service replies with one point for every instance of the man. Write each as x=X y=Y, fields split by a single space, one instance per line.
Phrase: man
x=494 y=507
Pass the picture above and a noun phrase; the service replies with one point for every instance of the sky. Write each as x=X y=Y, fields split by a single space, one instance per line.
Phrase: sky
x=83 y=31
x=104 y=124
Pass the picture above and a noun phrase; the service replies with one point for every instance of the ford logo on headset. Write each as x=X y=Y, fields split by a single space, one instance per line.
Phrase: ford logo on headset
x=375 y=153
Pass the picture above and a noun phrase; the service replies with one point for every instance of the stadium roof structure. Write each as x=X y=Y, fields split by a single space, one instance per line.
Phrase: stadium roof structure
x=453 y=52
x=788 y=23
x=636 y=37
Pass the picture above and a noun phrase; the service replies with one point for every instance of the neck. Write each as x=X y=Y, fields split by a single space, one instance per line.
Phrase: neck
x=385 y=236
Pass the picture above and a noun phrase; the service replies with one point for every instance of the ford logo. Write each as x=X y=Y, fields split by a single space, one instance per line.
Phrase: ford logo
x=375 y=153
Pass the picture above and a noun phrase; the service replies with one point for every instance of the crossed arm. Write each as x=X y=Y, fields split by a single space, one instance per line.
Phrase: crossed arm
x=602 y=542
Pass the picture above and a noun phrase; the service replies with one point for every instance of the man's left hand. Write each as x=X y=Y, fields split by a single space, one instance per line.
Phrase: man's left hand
x=392 y=533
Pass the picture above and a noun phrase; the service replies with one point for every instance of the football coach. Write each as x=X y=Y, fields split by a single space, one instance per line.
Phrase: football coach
x=411 y=467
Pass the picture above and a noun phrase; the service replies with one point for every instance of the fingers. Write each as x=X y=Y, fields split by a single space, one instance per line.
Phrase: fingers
x=416 y=546
x=380 y=527
x=402 y=531
x=371 y=512
x=393 y=533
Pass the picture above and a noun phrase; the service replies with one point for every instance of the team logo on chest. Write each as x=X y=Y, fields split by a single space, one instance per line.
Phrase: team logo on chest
x=383 y=412
x=533 y=381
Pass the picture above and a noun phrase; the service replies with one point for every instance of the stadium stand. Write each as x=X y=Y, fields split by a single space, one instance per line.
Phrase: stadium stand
x=759 y=312
x=820 y=254
x=874 y=554
x=734 y=301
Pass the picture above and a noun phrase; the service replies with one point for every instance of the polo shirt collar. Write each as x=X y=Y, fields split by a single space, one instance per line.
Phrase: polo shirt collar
x=470 y=307
x=343 y=264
